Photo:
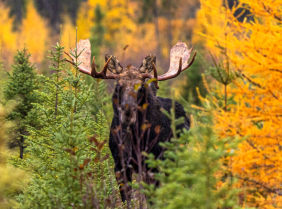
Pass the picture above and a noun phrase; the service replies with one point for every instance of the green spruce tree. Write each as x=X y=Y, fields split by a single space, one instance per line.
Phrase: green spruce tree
x=68 y=155
x=20 y=87
x=194 y=173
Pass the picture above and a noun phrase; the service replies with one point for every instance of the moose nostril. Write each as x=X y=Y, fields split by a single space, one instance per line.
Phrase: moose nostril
x=127 y=113
x=124 y=106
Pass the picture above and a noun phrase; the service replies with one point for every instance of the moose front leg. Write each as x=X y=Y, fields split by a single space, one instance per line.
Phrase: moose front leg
x=123 y=177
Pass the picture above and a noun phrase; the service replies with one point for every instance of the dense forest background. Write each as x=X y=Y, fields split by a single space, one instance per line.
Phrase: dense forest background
x=54 y=121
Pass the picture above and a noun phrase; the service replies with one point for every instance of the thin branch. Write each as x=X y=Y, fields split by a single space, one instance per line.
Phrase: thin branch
x=276 y=70
x=271 y=190
x=251 y=81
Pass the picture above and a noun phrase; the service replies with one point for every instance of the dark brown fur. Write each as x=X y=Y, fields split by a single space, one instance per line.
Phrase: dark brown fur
x=128 y=138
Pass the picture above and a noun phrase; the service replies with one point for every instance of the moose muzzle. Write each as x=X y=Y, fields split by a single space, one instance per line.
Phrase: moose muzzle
x=128 y=109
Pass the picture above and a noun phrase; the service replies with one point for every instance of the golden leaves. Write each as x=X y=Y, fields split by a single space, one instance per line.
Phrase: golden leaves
x=252 y=49
x=145 y=105
x=34 y=33
x=7 y=36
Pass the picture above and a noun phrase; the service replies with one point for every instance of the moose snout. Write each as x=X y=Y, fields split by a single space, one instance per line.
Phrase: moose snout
x=128 y=114
x=127 y=108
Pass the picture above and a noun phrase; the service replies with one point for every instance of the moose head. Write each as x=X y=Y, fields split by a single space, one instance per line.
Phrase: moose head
x=129 y=78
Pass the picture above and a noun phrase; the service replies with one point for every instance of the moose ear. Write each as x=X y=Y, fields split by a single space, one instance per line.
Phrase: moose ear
x=114 y=65
x=147 y=64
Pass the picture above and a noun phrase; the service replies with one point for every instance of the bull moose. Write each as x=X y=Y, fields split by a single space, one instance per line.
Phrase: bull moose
x=138 y=123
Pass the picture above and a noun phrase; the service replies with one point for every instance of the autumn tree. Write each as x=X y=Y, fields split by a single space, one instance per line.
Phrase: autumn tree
x=8 y=36
x=53 y=11
x=248 y=104
x=97 y=32
x=17 y=10
x=33 y=24
x=24 y=35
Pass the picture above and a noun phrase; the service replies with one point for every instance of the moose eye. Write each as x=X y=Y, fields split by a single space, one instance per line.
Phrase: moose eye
x=141 y=92
x=118 y=92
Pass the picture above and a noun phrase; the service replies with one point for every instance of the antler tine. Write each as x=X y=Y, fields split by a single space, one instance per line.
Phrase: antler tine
x=93 y=73
x=169 y=75
x=103 y=73
x=72 y=62
x=155 y=76
x=179 y=68
x=190 y=63
x=93 y=68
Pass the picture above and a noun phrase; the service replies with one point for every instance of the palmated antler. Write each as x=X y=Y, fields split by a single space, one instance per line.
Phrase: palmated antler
x=84 y=48
x=178 y=54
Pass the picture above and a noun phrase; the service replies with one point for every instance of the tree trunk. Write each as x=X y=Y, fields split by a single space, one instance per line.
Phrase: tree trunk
x=18 y=10
x=53 y=8
x=21 y=144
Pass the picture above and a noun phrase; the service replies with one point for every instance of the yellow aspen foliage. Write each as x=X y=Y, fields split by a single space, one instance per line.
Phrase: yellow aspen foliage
x=180 y=28
x=86 y=16
x=85 y=19
x=252 y=49
x=68 y=33
x=117 y=18
x=34 y=34
x=143 y=35
x=8 y=39
x=121 y=27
